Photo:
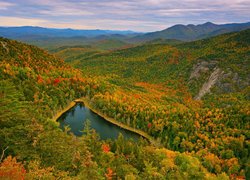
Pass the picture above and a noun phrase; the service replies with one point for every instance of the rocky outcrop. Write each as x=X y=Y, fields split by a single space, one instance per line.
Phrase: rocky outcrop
x=213 y=79
x=201 y=68
x=231 y=82
x=226 y=79
x=4 y=44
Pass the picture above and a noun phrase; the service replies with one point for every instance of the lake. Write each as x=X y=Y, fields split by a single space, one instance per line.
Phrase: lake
x=76 y=117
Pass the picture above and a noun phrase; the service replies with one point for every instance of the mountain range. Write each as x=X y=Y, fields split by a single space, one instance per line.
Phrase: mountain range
x=179 y=32
x=191 y=32
x=24 y=31
x=51 y=38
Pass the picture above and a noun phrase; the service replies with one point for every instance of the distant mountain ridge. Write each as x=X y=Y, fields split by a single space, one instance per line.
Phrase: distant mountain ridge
x=51 y=38
x=24 y=31
x=191 y=32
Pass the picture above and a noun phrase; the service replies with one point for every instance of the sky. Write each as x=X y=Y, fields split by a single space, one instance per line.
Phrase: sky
x=136 y=15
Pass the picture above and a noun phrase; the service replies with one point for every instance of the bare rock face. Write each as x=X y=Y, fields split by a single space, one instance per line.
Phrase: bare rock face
x=226 y=86
x=4 y=44
x=201 y=67
x=213 y=79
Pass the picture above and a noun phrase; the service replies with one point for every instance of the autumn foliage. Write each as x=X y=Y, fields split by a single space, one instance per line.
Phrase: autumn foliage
x=105 y=148
x=147 y=88
x=11 y=169
x=56 y=81
x=109 y=174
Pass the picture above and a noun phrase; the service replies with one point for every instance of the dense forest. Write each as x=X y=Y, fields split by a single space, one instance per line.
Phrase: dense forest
x=192 y=98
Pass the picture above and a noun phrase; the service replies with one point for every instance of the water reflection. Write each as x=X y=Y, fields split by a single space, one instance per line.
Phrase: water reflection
x=76 y=117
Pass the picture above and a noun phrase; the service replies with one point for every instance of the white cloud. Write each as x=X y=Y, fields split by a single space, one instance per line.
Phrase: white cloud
x=17 y=21
x=155 y=2
x=119 y=24
x=73 y=24
x=65 y=12
x=5 y=5
x=140 y=15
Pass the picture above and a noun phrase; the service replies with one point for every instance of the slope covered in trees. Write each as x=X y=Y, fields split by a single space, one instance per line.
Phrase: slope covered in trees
x=35 y=85
x=157 y=63
x=155 y=90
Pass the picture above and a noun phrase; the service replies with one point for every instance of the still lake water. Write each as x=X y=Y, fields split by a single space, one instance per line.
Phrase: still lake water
x=76 y=117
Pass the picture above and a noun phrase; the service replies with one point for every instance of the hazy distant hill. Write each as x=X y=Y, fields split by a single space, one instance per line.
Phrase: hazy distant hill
x=24 y=31
x=103 y=42
x=49 y=38
x=191 y=32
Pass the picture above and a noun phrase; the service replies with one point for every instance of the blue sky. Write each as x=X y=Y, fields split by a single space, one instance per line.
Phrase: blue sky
x=137 y=15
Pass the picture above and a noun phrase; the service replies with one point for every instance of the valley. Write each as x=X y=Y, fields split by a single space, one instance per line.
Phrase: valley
x=192 y=98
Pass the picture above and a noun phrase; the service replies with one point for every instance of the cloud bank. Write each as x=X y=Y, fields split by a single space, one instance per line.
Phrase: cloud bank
x=137 y=15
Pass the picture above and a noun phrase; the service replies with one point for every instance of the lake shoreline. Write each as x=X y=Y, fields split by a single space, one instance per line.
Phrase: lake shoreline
x=109 y=119
x=61 y=112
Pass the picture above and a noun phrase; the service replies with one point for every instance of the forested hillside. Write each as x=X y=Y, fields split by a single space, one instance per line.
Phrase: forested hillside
x=192 y=97
x=35 y=85
x=191 y=62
